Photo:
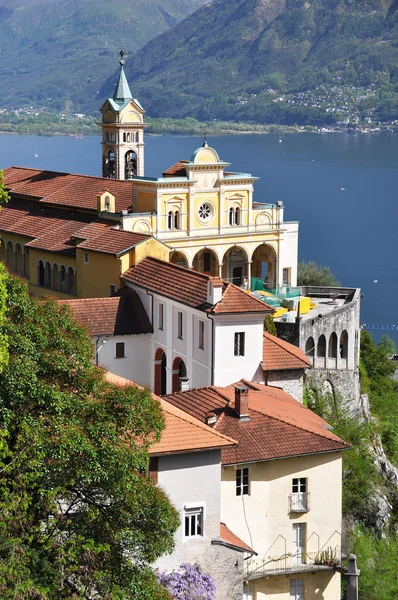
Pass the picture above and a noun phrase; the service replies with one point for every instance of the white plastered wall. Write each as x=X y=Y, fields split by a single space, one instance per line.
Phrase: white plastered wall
x=135 y=365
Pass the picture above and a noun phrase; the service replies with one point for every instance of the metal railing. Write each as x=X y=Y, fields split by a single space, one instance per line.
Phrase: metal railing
x=299 y=502
x=301 y=562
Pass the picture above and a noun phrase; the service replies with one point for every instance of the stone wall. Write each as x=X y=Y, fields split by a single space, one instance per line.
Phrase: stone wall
x=290 y=381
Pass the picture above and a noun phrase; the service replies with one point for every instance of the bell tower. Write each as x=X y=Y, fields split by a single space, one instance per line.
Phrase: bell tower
x=122 y=132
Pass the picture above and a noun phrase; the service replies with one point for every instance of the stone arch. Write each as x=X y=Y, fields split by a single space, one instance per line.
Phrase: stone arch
x=262 y=220
x=344 y=345
x=41 y=277
x=63 y=286
x=9 y=254
x=160 y=375
x=332 y=350
x=130 y=164
x=179 y=373
x=206 y=261
x=131 y=117
x=264 y=264
x=55 y=277
x=71 y=281
x=142 y=227
x=18 y=259
x=235 y=262
x=47 y=275
x=310 y=349
x=109 y=164
x=321 y=347
x=178 y=258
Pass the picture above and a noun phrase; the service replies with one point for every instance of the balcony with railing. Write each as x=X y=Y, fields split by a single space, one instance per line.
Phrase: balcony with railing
x=301 y=562
x=299 y=502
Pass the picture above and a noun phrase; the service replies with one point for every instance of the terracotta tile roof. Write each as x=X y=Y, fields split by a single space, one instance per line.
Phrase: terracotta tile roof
x=177 y=170
x=67 y=189
x=182 y=433
x=114 y=241
x=279 y=427
x=279 y=355
x=58 y=238
x=190 y=287
x=111 y=316
x=228 y=538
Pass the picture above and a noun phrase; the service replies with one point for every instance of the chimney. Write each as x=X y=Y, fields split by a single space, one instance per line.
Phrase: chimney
x=211 y=418
x=184 y=384
x=242 y=402
x=214 y=290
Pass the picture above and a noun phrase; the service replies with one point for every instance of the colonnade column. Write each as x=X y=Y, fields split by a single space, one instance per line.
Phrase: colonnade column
x=249 y=274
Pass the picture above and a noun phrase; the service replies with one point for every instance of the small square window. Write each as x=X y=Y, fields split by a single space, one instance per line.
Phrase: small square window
x=86 y=258
x=160 y=316
x=193 y=522
x=239 y=344
x=201 y=335
x=120 y=353
x=242 y=482
x=179 y=325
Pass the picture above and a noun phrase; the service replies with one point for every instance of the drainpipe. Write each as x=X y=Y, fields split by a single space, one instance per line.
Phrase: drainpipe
x=212 y=348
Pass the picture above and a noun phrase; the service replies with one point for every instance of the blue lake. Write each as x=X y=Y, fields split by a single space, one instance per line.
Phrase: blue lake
x=342 y=188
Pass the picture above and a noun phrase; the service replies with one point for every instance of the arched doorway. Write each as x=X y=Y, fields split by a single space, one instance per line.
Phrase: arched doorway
x=206 y=261
x=130 y=164
x=9 y=255
x=179 y=374
x=47 y=275
x=160 y=379
x=178 y=258
x=264 y=265
x=40 y=273
x=18 y=266
x=235 y=265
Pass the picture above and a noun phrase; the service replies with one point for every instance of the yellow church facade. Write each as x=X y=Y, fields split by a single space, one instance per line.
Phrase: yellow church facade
x=74 y=235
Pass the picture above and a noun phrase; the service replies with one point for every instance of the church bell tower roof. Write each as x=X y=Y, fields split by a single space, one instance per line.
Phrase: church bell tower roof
x=122 y=91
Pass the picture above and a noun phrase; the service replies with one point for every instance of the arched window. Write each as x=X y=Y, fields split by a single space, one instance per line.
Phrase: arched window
x=48 y=276
x=176 y=219
x=237 y=216
x=18 y=263
x=310 y=349
x=321 y=348
x=170 y=220
x=40 y=274
x=124 y=137
x=130 y=164
x=344 y=345
x=160 y=383
x=333 y=346
x=62 y=279
x=173 y=219
x=137 y=137
x=9 y=254
x=231 y=216
x=71 y=283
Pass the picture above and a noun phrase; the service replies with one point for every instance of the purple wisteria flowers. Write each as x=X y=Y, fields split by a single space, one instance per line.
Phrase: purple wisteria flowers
x=188 y=583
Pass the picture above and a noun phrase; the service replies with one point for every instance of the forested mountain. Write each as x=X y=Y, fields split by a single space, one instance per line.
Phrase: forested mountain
x=237 y=59
x=53 y=51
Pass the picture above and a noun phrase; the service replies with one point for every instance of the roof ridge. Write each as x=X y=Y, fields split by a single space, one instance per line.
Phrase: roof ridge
x=123 y=181
x=283 y=344
x=174 y=265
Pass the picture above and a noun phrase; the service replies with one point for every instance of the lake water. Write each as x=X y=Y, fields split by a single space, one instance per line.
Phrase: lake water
x=342 y=188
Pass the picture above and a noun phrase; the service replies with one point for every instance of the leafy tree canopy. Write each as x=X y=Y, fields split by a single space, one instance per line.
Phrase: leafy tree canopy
x=269 y=326
x=78 y=517
x=309 y=273
x=4 y=196
x=388 y=344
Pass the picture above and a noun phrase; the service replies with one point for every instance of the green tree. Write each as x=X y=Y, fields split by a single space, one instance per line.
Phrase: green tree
x=79 y=518
x=388 y=344
x=309 y=273
x=269 y=326
x=4 y=196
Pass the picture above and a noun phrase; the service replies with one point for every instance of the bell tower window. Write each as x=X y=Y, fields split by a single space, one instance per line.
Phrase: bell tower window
x=130 y=164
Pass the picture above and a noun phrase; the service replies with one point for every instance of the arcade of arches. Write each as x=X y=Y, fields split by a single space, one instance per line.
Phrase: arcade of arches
x=329 y=353
x=178 y=373
x=235 y=265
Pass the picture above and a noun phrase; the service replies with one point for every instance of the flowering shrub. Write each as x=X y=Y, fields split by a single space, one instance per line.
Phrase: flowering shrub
x=188 y=583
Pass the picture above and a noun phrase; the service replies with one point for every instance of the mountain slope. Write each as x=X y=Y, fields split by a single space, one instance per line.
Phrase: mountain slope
x=62 y=49
x=230 y=57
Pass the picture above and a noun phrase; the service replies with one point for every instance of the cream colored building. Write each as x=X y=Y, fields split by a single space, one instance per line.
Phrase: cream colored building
x=280 y=488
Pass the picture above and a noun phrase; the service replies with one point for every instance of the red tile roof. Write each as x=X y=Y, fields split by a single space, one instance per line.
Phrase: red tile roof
x=177 y=170
x=228 y=538
x=110 y=316
x=58 y=238
x=182 y=433
x=113 y=241
x=280 y=426
x=190 y=287
x=279 y=355
x=67 y=189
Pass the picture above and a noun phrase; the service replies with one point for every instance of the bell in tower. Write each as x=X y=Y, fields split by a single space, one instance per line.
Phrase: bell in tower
x=122 y=132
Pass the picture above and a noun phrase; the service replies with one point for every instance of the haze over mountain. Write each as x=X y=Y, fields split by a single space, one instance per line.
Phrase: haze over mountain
x=52 y=50
x=233 y=58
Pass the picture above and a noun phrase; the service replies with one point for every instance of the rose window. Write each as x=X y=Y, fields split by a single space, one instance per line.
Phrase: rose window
x=205 y=212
